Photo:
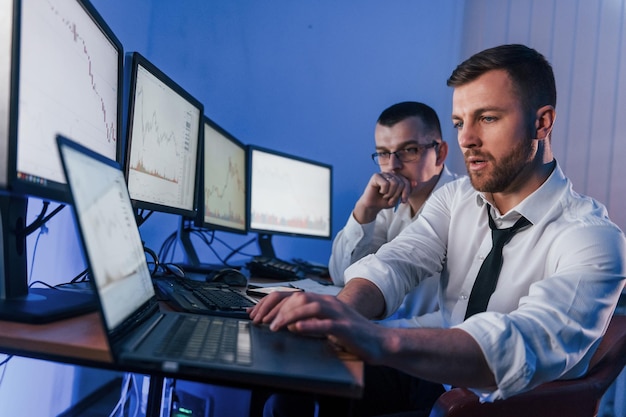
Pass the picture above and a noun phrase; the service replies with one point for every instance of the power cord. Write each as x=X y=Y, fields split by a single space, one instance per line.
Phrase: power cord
x=41 y=219
x=141 y=218
x=129 y=388
x=40 y=223
x=42 y=231
x=208 y=237
x=4 y=365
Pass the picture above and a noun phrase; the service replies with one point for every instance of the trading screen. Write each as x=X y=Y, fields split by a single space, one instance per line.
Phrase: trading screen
x=163 y=144
x=63 y=54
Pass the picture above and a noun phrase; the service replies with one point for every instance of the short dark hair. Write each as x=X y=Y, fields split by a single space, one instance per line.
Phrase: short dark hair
x=400 y=111
x=530 y=72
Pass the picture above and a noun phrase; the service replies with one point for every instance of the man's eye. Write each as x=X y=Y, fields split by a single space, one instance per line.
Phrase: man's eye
x=410 y=151
x=384 y=155
x=457 y=125
x=489 y=119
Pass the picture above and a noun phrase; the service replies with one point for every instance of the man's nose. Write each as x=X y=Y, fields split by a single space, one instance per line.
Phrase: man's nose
x=468 y=136
x=394 y=161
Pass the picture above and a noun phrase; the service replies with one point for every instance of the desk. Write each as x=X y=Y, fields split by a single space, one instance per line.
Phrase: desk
x=78 y=340
x=81 y=341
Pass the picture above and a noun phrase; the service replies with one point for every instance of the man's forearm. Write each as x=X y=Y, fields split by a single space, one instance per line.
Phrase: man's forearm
x=364 y=296
x=449 y=356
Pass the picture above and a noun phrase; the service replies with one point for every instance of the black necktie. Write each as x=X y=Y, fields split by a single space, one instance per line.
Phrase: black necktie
x=487 y=277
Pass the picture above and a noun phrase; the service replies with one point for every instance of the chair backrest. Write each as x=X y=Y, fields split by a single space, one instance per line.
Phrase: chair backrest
x=573 y=398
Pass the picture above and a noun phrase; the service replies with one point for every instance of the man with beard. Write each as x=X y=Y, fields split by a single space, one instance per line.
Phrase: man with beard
x=559 y=279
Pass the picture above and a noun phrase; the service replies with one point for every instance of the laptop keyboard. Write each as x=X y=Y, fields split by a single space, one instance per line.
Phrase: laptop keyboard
x=208 y=339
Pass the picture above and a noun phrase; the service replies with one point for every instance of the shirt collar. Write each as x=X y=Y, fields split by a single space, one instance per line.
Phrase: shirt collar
x=537 y=204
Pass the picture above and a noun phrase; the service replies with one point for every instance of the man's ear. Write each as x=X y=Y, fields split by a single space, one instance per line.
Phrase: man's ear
x=544 y=121
x=442 y=152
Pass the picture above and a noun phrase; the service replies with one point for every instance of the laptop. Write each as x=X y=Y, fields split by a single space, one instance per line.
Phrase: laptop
x=143 y=336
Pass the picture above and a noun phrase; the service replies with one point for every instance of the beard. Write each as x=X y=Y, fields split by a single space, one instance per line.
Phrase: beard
x=502 y=173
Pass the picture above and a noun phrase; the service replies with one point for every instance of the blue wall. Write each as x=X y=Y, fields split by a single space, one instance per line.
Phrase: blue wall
x=306 y=78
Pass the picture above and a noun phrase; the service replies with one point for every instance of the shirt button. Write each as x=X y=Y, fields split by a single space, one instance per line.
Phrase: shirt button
x=463 y=296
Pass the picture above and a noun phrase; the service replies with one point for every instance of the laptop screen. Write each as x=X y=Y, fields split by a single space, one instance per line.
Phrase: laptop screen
x=109 y=232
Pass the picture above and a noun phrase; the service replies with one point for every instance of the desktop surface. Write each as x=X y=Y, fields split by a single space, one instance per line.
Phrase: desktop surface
x=81 y=341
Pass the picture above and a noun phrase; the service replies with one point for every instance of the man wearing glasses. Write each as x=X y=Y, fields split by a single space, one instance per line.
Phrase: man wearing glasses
x=411 y=155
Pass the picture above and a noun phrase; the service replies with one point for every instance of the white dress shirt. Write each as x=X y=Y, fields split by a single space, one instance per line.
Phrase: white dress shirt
x=357 y=240
x=558 y=286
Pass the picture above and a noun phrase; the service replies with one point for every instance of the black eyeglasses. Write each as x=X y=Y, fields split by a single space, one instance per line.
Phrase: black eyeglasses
x=404 y=155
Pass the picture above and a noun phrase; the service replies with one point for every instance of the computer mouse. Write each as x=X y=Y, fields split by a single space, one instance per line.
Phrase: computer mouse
x=174 y=270
x=228 y=276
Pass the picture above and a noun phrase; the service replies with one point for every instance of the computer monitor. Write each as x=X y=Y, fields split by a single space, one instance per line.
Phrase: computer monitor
x=61 y=72
x=224 y=182
x=163 y=142
x=289 y=195
x=223 y=190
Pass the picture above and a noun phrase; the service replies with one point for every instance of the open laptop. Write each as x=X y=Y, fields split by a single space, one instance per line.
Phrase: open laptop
x=140 y=334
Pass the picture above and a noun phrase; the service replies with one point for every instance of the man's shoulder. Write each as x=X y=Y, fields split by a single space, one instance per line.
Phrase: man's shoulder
x=458 y=194
x=455 y=183
x=449 y=176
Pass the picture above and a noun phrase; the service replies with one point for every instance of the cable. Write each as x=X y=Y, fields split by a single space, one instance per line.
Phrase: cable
x=208 y=237
x=44 y=284
x=238 y=249
x=25 y=231
x=42 y=230
x=167 y=245
x=41 y=220
x=121 y=403
x=140 y=218
x=38 y=223
x=155 y=260
x=6 y=360
x=135 y=386
x=4 y=364
x=81 y=277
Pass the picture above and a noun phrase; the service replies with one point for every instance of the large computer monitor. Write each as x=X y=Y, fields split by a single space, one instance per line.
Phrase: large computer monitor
x=289 y=195
x=223 y=191
x=60 y=72
x=163 y=142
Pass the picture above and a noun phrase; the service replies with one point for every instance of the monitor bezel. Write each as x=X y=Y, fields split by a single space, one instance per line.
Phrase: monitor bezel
x=136 y=60
x=46 y=189
x=270 y=232
x=199 y=220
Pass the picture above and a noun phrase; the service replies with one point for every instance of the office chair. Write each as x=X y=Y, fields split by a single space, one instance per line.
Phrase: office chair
x=573 y=398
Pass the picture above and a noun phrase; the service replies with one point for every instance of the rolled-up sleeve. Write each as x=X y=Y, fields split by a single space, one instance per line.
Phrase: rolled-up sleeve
x=558 y=325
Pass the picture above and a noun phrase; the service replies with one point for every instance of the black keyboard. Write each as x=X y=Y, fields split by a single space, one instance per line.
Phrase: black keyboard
x=222 y=298
x=203 y=298
x=264 y=267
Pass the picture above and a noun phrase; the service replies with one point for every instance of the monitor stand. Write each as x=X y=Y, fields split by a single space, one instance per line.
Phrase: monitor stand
x=46 y=305
x=265 y=245
x=192 y=260
x=18 y=302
